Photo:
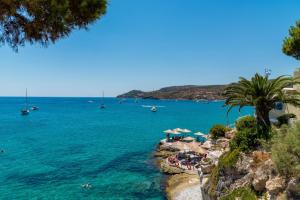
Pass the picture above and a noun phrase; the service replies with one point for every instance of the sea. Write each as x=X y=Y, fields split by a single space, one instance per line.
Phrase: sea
x=70 y=142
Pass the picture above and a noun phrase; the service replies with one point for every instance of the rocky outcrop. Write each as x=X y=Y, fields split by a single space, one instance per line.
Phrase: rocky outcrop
x=243 y=165
x=275 y=185
x=168 y=169
x=257 y=171
x=163 y=154
x=191 y=92
x=259 y=180
x=262 y=174
x=293 y=188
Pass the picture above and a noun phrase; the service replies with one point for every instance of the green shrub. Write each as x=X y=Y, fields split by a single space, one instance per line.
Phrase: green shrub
x=217 y=131
x=286 y=151
x=246 y=122
x=229 y=159
x=246 y=140
x=243 y=193
x=284 y=119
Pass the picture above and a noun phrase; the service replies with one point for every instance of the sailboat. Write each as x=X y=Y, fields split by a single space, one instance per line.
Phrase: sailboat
x=102 y=106
x=25 y=111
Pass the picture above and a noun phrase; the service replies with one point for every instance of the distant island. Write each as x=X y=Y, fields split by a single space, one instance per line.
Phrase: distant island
x=188 y=92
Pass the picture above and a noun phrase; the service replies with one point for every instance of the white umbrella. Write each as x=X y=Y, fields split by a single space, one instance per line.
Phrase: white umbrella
x=172 y=132
x=178 y=129
x=176 y=133
x=188 y=139
x=168 y=131
x=201 y=134
x=186 y=131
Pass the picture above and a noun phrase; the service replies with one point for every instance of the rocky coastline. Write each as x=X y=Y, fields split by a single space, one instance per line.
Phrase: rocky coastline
x=253 y=170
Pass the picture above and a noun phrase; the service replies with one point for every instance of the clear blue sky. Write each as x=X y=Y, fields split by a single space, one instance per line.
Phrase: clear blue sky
x=149 y=44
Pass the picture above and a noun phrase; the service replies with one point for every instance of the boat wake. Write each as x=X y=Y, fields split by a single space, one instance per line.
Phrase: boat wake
x=149 y=106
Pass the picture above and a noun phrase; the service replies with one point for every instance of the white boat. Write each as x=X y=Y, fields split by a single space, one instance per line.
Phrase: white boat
x=35 y=108
x=25 y=111
x=153 y=109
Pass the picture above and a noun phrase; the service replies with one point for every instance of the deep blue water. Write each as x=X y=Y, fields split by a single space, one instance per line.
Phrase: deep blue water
x=68 y=142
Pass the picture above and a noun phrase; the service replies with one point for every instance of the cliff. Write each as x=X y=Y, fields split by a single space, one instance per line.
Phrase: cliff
x=190 y=92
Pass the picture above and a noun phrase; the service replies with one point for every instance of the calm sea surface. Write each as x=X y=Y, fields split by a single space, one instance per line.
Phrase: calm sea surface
x=50 y=153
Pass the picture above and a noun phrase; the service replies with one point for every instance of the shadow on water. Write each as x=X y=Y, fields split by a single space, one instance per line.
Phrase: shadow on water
x=133 y=163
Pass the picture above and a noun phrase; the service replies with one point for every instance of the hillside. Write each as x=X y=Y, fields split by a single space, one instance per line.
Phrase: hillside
x=191 y=92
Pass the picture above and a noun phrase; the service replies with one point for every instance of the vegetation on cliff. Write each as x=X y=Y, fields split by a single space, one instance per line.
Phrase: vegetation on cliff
x=243 y=193
x=286 y=151
x=245 y=172
x=226 y=161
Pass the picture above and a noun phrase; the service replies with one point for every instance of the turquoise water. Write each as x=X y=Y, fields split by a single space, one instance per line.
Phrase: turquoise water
x=68 y=142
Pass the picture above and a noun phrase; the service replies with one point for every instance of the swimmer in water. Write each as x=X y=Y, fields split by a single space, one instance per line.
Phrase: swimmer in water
x=86 y=186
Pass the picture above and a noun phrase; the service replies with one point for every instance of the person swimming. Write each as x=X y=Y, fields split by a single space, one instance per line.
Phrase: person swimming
x=86 y=186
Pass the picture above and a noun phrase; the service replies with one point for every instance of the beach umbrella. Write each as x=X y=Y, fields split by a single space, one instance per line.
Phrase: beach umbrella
x=201 y=134
x=172 y=132
x=168 y=131
x=178 y=129
x=185 y=131
x=176 y=133
x=188 y=138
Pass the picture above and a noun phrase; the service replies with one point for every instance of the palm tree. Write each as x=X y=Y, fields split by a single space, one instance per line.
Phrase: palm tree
x=262 y=93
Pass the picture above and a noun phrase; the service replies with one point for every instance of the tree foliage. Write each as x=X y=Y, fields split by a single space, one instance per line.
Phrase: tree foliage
x=245 y=122
x=245 y=140
x=262 y=93
x=291 y=44
x=246 y=137
x=217 y=131
x=45 y=21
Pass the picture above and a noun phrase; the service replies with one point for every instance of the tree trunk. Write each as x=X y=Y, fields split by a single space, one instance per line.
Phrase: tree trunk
x=263 y=122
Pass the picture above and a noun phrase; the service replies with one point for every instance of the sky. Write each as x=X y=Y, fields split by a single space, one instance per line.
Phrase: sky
x=150 y=44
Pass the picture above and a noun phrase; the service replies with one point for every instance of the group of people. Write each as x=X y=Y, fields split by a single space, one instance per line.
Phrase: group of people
x=174 y=138
x=189 y=160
